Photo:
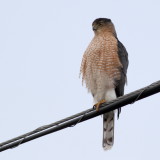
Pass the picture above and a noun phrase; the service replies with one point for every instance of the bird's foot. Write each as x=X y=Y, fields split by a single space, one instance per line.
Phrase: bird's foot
x=97 y=105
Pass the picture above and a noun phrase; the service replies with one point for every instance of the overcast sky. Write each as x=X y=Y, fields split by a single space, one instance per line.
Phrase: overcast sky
x=41 y=47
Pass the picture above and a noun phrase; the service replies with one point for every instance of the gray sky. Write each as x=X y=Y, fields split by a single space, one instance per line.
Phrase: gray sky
x=42 y=43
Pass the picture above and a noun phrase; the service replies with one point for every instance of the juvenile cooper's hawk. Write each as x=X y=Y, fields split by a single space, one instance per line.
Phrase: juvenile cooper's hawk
x=103 y=68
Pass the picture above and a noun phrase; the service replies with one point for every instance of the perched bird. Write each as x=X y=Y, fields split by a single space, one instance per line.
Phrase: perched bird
x=103 y=68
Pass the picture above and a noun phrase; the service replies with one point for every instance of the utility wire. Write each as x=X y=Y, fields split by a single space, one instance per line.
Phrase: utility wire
x=82 y=116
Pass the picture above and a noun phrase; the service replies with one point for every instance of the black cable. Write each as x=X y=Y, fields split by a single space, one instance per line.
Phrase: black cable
x=82 y=116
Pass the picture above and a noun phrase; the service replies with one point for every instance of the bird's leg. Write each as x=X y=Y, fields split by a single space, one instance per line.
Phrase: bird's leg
x=97 y=105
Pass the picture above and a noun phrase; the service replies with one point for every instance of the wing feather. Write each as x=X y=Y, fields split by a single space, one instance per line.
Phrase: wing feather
x=123 y=56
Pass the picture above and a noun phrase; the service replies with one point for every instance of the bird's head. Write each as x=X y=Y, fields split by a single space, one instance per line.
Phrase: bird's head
x=103 y=24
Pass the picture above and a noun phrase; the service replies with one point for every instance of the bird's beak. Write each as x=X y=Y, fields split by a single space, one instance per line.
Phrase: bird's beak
x=94 y=28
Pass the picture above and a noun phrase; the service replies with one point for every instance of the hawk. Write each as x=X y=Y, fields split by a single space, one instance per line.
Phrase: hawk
x=103 y=68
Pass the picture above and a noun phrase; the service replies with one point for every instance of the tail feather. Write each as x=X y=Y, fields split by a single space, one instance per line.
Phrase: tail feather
x=108 y=130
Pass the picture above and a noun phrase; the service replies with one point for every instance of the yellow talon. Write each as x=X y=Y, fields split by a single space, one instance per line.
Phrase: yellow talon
x=97 y=105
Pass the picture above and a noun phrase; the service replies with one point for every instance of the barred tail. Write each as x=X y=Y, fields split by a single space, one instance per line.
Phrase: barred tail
x=108 y=130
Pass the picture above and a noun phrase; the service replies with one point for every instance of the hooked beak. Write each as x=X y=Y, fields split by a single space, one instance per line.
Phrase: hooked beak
x=94 y=28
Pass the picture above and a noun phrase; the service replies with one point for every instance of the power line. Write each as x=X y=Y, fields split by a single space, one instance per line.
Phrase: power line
x=82 y=116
